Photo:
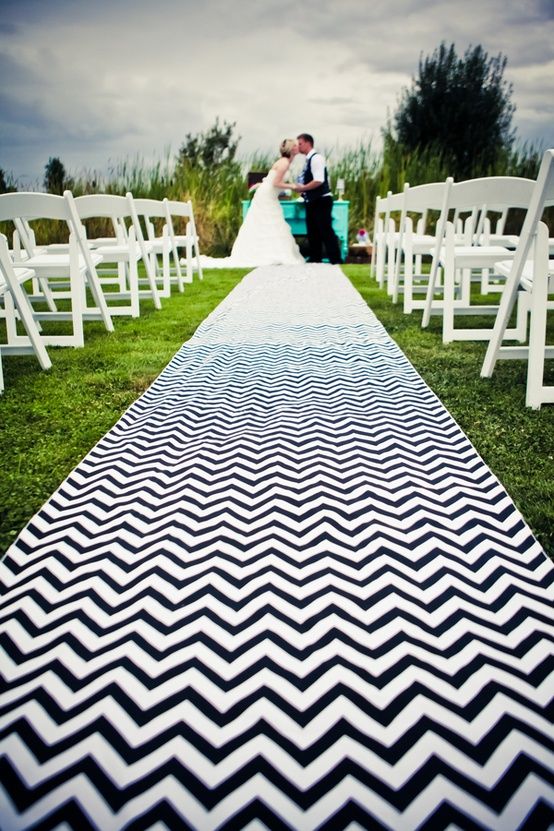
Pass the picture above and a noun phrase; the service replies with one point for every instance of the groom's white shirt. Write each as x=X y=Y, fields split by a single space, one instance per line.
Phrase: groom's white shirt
x=318 y=165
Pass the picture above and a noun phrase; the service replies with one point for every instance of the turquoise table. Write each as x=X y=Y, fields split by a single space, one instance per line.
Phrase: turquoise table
x=295 y=214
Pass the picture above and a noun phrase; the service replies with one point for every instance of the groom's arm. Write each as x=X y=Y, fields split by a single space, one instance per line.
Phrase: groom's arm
x=318 y=172
x=302 y=188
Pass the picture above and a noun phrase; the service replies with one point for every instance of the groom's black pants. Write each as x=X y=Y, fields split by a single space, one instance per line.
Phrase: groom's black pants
x=320 y=230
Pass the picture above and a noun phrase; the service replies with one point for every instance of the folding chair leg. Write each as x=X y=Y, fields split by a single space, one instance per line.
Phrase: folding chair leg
x=44 y=288
x=522 y=316
x=408 y=278
x=166 y=268
x=99 y=299
x=29 y=323
x=465 y=286
x=397 y=270
x=449 y=290
x=198 y=263
x=178 y=272
x=152 y=283
x=381 y=264
x=391 y=260
x=188 y=257
x=433 y=283
x=122 y=274
x=78 y=292
x=537 y=329
x=134 y=288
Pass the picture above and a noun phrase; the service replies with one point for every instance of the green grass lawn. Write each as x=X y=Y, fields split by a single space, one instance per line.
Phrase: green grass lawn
x=49 y=420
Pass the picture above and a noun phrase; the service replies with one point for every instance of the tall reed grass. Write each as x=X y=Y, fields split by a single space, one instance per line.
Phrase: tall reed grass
x=217 y=193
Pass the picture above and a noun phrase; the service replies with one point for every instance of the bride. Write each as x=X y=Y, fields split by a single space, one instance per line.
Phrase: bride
x=264 y=237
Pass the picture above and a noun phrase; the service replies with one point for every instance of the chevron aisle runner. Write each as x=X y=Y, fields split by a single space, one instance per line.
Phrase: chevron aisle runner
x=282 y=592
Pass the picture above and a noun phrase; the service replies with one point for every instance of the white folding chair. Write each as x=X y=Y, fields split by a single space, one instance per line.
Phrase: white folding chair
x=61 y=278
x=381 y=229
x=499 y=236
x=459 y=262
x=189 y=240
x=414 y=244
x=378 y=224
x=149 y=210
x=124 y=251
x=531 y=272
x=392 y=237
x=15 y=306
x=27 y=238
x=485 y=235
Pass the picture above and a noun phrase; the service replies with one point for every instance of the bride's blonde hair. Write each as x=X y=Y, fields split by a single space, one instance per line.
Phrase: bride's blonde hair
x=286 y=146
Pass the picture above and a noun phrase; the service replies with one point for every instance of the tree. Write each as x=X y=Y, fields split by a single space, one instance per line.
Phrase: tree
x=6 y=183
x=213 y=148
x=460 y=108
x=55 y=180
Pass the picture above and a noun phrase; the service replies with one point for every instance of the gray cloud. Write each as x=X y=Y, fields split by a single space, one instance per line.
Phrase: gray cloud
x=117 y=78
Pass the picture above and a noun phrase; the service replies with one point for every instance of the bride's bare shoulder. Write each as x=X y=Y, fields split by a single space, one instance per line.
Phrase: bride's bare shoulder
x=281 y=164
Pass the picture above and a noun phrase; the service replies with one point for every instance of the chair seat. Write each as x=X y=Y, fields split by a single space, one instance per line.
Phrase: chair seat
x=504 y=240
x=422 y=243
x=100 y=241
x=63 y=247
x=511 y=241
x=505 y=266
x=22 y=275
x=60 y=247
x=476 y=256
x=23 y=256
x=183 y=239
x=54 y=248
x=157 y=245
x=53 y=264
x=114 y=253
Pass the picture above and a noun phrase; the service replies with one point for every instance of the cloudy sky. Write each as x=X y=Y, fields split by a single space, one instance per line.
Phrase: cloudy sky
x=98 y=81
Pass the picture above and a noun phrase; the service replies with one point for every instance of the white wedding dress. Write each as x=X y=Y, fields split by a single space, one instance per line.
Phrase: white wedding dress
x=264 y=237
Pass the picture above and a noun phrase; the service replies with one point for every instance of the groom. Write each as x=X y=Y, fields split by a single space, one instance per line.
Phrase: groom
x=313 y=184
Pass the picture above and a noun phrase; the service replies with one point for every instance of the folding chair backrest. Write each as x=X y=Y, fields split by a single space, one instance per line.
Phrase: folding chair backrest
x=387 y=201
x=182 y=210
x=20 y=208
x=149 y=207
x=176 y=208
x=380 y=210
x=102 y=205
x=497 y=191
x=33 y=206
x=428 y=197
x=152 y=205
x=541 y=197
x=396 y=200
x=26 y=234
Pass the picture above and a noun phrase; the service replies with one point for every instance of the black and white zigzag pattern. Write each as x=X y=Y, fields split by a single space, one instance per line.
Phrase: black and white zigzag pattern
x=283 y=592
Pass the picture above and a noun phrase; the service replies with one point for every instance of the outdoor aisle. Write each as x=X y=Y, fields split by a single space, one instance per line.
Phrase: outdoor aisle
x=283 y=591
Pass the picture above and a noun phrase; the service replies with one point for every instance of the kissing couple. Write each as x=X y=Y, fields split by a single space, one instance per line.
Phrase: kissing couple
x=264 y=237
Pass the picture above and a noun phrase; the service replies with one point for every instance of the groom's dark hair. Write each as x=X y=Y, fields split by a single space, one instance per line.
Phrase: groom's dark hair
x=306 y=137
